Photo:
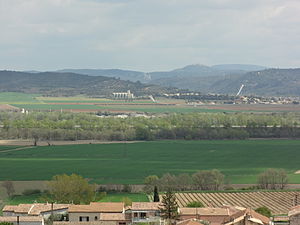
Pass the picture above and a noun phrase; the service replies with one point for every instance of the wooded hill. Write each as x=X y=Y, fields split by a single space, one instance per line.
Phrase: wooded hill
x=219 y=79
x=70 y=84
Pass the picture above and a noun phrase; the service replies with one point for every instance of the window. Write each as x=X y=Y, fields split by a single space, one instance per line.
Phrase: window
x=122 y=223
x=143 y=215
x=84 y=218
x=96 y=217
x=135 y=215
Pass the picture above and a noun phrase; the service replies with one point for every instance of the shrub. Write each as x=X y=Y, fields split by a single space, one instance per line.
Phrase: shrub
x=264 y=211
x=195 y=204
x=31 y=191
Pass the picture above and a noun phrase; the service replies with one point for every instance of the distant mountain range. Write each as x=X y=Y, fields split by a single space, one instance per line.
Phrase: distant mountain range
x=70 y=84
x=196 y=70
x=222 y=79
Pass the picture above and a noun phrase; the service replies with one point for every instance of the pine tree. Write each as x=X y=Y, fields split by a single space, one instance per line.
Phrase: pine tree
x=155 y=195
x=169 y=207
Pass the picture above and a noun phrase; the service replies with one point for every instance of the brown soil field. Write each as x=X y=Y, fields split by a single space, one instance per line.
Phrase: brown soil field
x=45 y=143
x=277 y=202
x=8 y=107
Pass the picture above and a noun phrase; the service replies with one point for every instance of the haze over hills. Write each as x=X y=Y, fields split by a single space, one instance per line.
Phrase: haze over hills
x=196 y=70
x=69 y=84
x=220 y=79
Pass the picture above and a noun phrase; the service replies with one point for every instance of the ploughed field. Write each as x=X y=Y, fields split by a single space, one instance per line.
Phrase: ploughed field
x=277 y=202
x=130 y=163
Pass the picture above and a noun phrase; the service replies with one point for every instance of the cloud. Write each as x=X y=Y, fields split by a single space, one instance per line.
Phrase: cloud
x=147 y=34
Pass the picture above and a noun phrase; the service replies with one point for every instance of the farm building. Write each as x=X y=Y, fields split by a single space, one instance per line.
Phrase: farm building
x=123 y=95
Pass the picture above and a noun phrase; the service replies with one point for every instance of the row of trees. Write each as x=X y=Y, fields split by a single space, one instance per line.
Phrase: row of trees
x=212 y=180
x=273 y=179
x=201 y=180
x=72 y=126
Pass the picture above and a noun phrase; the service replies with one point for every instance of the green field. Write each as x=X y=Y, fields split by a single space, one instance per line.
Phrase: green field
x=118 y=197
x=17 y=98
x=130 y=163
x=110 y=197
x=137 y=108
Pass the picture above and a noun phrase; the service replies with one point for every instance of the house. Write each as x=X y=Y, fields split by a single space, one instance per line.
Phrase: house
x=294 y=215
x=143 y=212
x=224 y=216
x=83 y=223
x=23 y=220
x=213 y=215
x=281 y=220
x=116 y=218
x=36 y=209
x=94 y=211
x=190 y=222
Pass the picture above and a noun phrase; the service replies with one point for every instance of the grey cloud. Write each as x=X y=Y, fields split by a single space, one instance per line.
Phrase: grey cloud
x=147 y=34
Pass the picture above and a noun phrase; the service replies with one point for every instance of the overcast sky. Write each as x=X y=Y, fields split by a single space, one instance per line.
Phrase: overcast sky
x=147 y=35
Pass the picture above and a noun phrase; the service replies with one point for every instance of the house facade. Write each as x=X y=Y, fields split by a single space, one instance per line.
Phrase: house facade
x=94 y=211
x=141 y=212
x=23 y=220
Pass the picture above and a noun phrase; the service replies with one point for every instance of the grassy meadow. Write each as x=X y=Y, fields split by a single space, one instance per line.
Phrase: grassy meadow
x=130 y=163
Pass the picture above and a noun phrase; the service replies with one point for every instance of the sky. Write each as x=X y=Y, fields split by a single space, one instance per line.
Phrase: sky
x=147 y=35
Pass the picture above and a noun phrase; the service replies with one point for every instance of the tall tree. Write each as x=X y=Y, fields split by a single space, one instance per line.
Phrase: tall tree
x=150 y=182
x=169 y=207
x=9 y=187
x=155 y=195
x=273 y=179
x=71 y=189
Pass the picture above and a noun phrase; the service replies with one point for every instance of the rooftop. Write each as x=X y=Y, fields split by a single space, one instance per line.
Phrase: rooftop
x=145 y=206
x=34 y=209
x=109 y=207
x=21 y=219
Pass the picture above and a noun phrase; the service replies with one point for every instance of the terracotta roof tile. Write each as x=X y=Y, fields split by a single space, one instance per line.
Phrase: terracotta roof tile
x=9 y=208
x=256 y=215
x=294 y=210
x=85 y=223
x=190 y=222
x=112 y=216
x=145 y=206
x=98 y=207
x=34 y=209
x=204 y=211
x=21 y=219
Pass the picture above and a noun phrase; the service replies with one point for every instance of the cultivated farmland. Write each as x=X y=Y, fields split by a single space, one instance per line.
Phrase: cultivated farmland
x=34 y=102
x=277 y=202
x=123 y=163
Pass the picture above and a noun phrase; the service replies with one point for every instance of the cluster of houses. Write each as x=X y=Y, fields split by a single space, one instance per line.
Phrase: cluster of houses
x=116 y=213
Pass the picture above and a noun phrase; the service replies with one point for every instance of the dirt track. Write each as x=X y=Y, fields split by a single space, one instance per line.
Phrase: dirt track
x=45 y=143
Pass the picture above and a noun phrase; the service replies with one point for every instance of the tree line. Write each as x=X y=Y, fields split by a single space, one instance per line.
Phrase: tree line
x=50 y=126
x=212 y=180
